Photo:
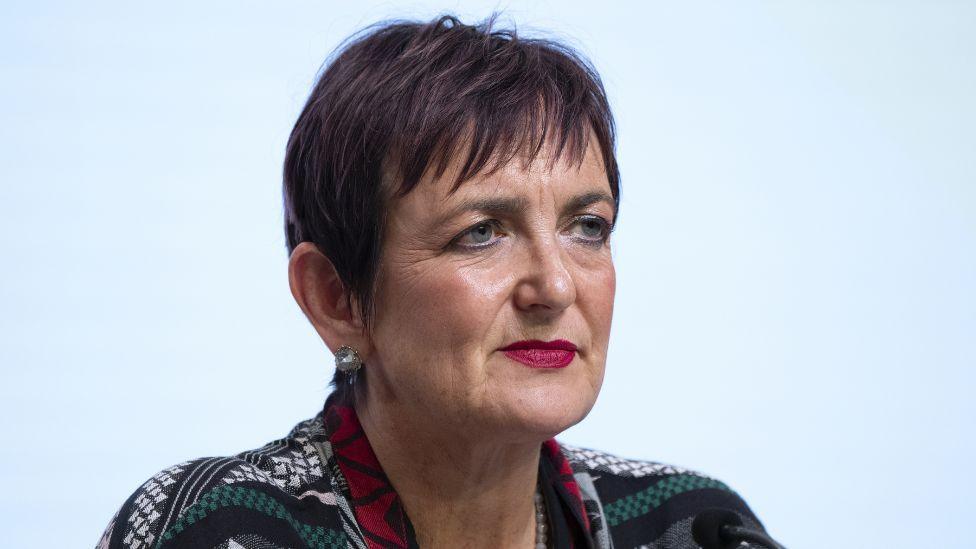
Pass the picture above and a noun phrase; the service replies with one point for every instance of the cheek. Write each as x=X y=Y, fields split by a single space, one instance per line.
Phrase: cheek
x=596 y=297
x=597 y=278
x=449 y=307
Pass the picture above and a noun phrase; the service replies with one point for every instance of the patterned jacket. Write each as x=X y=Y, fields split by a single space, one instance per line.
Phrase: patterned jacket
x=322 y=487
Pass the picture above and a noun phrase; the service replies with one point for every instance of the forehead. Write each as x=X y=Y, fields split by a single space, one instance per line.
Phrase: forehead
x=524 y=175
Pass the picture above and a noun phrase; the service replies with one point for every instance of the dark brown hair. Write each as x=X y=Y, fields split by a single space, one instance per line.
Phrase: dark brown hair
x=404 y=97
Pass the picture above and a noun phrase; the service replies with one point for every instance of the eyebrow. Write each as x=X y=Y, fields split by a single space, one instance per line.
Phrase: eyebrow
x=518 y=205
x=583 y=200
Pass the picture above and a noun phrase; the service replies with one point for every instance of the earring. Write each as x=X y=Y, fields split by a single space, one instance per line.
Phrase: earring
x=347 y=360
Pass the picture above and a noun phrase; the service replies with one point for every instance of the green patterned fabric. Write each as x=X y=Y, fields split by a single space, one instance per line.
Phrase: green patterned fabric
x=652 y=497
x=249 y=498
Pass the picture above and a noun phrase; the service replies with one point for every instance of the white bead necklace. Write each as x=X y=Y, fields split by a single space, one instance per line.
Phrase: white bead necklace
x=541 y=530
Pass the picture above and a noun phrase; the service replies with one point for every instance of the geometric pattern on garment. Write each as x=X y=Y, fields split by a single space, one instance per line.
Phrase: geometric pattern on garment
x=300 y=465
x=257 y=500
x=644 y=501
x=595 y=459
x=297 y=462
x=139 y=531
x=298 y=468
x=245 y=471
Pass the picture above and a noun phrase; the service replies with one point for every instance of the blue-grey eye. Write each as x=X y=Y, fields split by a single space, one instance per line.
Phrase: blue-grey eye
x=481 y=233
x=479 y=236
x=591 y=228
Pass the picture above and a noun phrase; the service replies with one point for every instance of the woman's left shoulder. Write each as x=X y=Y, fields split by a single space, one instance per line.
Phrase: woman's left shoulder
x=643 y=502
x=597 y=460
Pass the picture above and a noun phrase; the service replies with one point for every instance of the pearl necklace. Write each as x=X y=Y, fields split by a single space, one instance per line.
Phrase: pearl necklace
x=541 y=530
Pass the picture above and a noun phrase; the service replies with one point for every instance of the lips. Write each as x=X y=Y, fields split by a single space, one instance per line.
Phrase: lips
x=542 y=354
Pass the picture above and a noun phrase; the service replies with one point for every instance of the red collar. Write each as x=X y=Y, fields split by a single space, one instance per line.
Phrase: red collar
x=377 y=506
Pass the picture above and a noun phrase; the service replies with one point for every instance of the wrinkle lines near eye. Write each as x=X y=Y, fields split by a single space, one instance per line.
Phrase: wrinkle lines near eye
x=411 y=273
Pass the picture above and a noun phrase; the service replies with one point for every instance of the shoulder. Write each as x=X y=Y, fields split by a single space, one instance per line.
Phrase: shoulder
x=649 y=503
x=277 y=491
x=603 y=462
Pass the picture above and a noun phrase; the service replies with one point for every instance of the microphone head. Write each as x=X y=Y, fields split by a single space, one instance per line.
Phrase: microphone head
x=706 y=529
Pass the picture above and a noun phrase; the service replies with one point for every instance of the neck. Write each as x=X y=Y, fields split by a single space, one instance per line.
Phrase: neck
x=459 y=489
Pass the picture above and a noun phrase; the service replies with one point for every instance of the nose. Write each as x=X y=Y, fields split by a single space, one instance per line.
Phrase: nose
x=546 y=285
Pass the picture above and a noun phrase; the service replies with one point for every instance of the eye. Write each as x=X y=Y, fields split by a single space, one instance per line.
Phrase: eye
x=477 y=236
x=592 y=228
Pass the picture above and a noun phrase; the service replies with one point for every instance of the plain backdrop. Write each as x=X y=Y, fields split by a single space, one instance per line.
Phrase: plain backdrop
x=796 y=252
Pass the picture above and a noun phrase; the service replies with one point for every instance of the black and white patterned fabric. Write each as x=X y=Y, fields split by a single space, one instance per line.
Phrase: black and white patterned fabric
x=291 y=493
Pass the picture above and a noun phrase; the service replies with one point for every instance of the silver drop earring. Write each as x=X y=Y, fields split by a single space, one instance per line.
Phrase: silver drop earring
x=348 y=361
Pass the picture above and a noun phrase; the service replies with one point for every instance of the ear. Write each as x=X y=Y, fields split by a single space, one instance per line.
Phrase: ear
x=322 y=296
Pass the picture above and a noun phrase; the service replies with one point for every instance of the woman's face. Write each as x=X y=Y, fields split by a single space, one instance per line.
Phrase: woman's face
x=518 y=255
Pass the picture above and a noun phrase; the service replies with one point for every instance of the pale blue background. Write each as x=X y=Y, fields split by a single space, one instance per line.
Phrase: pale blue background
x=796 y=255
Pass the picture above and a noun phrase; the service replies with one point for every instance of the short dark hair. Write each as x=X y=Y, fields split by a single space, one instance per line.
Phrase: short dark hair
x=402 y=97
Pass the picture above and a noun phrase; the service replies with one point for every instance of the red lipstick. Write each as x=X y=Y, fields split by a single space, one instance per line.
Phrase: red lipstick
x=542 y=354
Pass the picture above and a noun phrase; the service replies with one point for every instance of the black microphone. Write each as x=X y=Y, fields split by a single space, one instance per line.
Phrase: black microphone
x=723 y=529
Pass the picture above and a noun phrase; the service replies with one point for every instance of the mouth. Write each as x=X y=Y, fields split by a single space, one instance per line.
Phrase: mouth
x=542 y=354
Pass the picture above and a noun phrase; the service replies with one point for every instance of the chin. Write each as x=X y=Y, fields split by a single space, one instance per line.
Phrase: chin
x=545 y=411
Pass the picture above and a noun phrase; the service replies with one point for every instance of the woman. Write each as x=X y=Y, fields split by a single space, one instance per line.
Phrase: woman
x=449 y=193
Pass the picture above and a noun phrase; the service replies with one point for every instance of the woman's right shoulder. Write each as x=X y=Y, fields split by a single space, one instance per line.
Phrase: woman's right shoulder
x=136 y=522
x=209 y=497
